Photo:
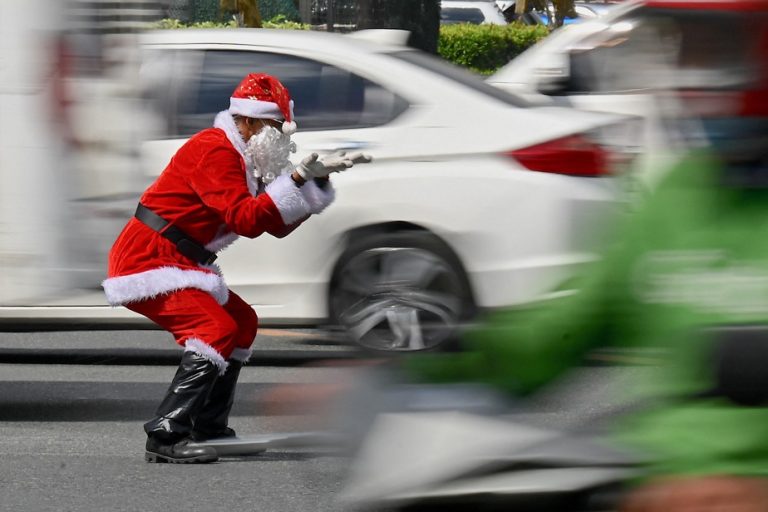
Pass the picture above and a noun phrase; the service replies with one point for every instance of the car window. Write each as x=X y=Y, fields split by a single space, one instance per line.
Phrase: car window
x=326 y=97
x=167 y=77
x=451 y=15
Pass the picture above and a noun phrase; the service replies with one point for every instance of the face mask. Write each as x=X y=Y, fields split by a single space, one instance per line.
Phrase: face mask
x=268 y=152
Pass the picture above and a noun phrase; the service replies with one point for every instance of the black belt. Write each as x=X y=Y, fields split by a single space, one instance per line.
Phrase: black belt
x=185 y=244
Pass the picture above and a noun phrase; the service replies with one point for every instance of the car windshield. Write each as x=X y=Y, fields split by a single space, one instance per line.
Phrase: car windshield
x=458 y=75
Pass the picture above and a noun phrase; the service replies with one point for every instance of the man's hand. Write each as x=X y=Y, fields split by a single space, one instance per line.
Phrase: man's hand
x=320 y=167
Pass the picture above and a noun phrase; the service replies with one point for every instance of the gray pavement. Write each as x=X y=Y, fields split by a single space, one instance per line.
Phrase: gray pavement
x=71 y=435
x=98 y=466
x=267 y=339
x=273 y=347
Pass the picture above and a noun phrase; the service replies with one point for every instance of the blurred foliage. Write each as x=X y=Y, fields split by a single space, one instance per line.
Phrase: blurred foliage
x=203 y=10
x=278 y=22
x=174 y=24
x=284 y=9
x=344 y=12
x=420 y=17
x=561 y=9
x=245 y=11
x=485 y=48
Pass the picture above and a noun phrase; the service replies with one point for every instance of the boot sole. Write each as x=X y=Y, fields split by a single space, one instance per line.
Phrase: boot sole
x=161 y=459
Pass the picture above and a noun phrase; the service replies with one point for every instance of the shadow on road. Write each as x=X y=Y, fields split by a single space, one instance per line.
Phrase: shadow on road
x=99 y=401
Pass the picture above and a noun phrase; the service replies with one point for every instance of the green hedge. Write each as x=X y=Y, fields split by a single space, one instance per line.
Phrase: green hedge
x=270 y=9
x=278 y=22
x=480 y=48
x=485 y=48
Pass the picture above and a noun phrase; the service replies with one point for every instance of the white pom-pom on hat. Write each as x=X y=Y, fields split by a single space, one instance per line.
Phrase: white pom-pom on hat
x=289 y=127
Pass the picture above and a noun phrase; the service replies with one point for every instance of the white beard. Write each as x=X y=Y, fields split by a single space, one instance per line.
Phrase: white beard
x=267 y=153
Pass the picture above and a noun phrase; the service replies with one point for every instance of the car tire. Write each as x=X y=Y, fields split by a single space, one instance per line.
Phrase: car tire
x=400 y=292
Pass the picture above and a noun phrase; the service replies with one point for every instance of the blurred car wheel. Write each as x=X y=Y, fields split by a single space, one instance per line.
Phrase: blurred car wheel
x=402 y=291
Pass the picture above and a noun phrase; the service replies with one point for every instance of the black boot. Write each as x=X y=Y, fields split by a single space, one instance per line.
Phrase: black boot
x=158 y=450
x=169 y=429
x=212 y=421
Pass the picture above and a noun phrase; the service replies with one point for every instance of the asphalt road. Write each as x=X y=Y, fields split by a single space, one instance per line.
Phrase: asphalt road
x=71 y=434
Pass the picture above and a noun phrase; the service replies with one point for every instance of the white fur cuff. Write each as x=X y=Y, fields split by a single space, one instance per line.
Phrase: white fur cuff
x=318 y=198
x=203 y=349
x=241 y=354
x=288 y=198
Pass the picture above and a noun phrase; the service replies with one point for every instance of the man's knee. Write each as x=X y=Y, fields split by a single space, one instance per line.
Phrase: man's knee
x=246 y=319
x=227 y=330
x=248 y=323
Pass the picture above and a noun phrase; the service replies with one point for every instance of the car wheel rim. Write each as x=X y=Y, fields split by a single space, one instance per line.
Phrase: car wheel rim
x=398 y=298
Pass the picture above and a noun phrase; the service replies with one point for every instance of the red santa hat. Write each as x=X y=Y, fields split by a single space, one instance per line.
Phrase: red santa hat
x=262 y=96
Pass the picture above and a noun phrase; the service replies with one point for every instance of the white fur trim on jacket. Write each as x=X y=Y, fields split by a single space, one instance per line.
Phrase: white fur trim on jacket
x=288 y=198
x=257 y=109
x=318 y=198
x=222 y=240
x=224 y=121
x=203 y=349
x=151 y=283
x=221 y=294
x=241 y=354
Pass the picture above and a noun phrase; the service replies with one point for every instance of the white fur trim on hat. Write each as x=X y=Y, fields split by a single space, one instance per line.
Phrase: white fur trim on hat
x=206 y=351
x=288 y=198
x=318 y=198
x=151 y=283
x=289 y=127
x=257 y=109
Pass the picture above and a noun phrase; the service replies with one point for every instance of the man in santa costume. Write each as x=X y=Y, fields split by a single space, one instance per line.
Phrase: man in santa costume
x=234 y=179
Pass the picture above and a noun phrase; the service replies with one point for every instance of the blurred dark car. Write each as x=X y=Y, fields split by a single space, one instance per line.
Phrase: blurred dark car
x=584 y=11
x=476 y=12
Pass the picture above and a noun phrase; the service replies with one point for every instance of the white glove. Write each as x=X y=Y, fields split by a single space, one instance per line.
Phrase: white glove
x=320 y=167
x=318 y=197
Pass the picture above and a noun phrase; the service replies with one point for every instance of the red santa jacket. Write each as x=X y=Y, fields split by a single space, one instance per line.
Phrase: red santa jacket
x=208 y=192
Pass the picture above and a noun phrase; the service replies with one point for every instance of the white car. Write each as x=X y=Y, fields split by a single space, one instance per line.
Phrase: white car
x=621 y=61
x=471 y=11
x=474 y=200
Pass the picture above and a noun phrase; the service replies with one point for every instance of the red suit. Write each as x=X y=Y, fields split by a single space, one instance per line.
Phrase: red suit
x=206 y=197
x=209 y=193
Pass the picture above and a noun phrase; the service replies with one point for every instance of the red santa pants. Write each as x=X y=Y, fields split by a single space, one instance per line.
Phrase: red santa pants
x=193 y=313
